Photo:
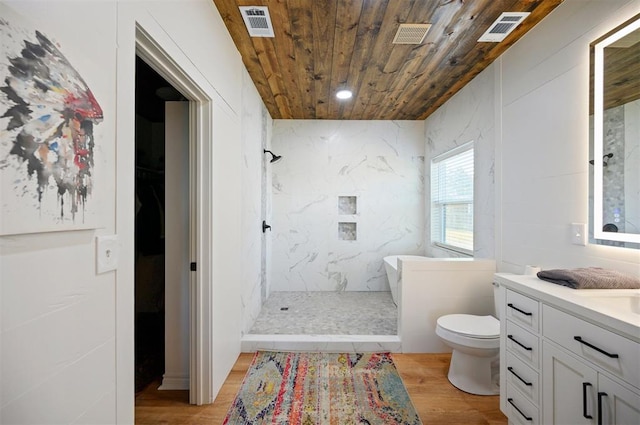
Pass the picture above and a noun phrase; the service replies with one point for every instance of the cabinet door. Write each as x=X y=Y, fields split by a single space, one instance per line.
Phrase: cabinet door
x=569 y=389
x=617 y=404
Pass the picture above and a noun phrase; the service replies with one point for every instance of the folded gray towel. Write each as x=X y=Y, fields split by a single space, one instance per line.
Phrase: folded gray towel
x=590 y=278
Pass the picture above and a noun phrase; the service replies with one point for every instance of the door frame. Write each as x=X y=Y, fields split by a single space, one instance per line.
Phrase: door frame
x=200 y=213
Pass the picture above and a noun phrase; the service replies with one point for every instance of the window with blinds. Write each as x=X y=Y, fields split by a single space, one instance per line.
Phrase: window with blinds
x=452 y=199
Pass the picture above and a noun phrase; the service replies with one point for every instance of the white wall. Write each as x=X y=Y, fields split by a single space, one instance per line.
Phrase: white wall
x=433 y=287
x=67 y=353
x=57 y=353
x=545 y=140
x=381 y=163
x=539 y=110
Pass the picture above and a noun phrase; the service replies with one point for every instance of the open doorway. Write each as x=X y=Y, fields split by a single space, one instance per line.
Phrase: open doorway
x=157 y=50
x=161 y=236
x=149 y=233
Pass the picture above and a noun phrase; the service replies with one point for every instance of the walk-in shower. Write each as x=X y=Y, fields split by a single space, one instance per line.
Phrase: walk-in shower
x=327 y=313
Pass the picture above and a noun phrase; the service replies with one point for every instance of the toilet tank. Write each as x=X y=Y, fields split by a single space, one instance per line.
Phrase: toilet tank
x=497 y=305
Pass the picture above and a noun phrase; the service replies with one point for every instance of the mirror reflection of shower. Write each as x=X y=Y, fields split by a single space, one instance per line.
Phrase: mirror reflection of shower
x=605 y=159
x=615 y=135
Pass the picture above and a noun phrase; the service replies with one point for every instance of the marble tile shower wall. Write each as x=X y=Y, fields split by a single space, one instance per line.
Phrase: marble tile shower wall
x=468 y=116
x=613 y=173
x=253 y=121
x=345 y=194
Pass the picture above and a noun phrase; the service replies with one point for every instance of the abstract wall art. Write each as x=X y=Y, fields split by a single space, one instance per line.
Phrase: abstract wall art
x=47 y=140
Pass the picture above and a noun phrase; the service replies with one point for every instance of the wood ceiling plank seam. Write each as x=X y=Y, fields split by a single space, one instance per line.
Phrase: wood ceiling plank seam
x=232 y=18
x=301 y=26
x=396 y=95
x=442 y=65
x=368 y=29
x=347 y=17
x=297 y=73
x=404 y=71
x=324 y=22
x=390 y=73
x=422 y=13
x=399 y=53
x=285 y=54
x=373 y=78
x=266 y=51
x=537 y=10
x=467 y=51
x=455 y=70
x=395 y=13
x=456 y=24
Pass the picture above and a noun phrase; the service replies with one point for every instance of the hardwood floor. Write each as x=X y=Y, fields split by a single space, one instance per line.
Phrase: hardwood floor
x=424 y=375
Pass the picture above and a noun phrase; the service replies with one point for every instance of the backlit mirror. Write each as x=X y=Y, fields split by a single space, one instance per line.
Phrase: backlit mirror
x=616 y=136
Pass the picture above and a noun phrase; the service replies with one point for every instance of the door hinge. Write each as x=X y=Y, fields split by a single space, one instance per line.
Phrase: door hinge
x=192 y=267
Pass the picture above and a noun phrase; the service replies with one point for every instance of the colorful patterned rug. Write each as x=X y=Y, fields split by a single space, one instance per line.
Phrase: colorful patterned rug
x=322 y=388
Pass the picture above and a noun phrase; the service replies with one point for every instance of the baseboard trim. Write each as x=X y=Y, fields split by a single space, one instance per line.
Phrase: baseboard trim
x=174 y=383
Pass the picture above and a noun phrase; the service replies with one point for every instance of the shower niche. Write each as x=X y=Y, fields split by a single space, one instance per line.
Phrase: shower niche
x=347 y=205
x=347 y=230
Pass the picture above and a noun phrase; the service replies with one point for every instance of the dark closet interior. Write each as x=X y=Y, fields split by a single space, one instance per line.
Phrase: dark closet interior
x=151 y=93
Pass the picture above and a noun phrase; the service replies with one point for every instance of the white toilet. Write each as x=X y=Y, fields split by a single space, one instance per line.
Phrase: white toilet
x=475 y=341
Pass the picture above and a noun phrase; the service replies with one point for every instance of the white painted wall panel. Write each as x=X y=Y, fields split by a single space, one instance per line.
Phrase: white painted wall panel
x=57 y=355
x=59 y=320
x=556 y=45
x=227 y=237
x=197 y=27
x=545 y=136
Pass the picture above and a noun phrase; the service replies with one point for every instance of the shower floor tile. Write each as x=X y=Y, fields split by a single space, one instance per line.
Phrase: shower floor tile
x=328 y=313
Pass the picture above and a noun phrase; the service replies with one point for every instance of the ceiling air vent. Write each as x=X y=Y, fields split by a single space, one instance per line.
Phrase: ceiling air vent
x=503 y=26
x=411 y=33
x=257 y=20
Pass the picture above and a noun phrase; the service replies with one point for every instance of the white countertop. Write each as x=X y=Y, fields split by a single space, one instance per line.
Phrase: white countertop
x=608 y=308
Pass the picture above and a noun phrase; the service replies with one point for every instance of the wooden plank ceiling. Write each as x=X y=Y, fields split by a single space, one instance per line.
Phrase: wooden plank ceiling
x=321 y=46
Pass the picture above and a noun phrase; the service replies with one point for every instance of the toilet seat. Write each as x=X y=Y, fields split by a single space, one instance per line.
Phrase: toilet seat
x=471 y=326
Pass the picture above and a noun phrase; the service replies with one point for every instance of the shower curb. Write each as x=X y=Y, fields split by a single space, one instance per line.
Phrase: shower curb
x=323 y=343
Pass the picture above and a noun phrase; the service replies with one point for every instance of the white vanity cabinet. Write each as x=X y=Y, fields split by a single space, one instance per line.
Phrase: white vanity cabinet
x=576 y=393
x=585 y=367
x=520 y=358
x=563 y=360
x=569 y=388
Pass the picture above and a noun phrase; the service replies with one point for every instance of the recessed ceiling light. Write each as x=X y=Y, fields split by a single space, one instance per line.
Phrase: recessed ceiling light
x=344 y=94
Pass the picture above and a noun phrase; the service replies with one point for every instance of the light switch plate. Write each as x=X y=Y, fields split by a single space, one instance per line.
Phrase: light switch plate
x=579 y=234
x=106 y=253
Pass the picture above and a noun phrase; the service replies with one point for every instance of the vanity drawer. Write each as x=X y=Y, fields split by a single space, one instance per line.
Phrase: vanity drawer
x=519 y=409
x=522 y=377
x=523 y=310
x=614 y=353
x=523 y=344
